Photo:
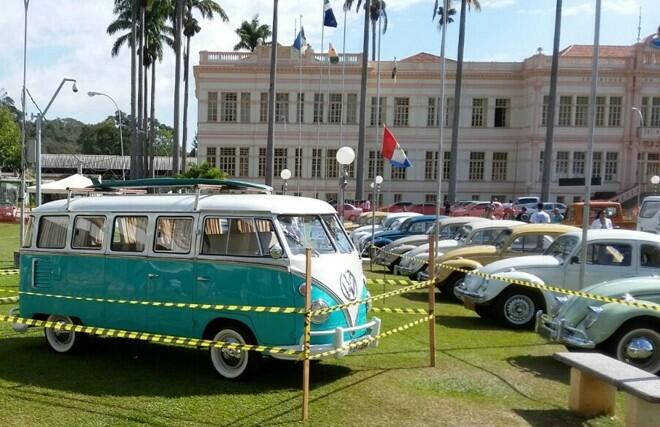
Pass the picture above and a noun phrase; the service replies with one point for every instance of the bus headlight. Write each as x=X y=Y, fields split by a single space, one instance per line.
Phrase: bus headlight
x=319 y=304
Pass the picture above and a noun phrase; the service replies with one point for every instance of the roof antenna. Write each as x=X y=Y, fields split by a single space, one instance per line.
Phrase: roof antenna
x=639 y=25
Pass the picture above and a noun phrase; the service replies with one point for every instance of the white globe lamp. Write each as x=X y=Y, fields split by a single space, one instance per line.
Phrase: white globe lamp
x=655 y=180
x=285 y=174
x=345 y=155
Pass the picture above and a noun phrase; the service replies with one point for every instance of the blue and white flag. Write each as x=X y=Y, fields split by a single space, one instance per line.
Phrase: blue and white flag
x=300 y=42
x=329 y=19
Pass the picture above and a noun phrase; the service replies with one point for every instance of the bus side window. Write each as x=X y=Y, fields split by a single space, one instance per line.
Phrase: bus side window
x=52 y=232
x=29 y=232
x=88 y=232
x=173 y=235
x=230 y=236
x=129 y=234
x=267 y=235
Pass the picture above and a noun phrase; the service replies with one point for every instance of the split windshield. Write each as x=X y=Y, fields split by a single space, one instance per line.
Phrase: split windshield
x=302 y=231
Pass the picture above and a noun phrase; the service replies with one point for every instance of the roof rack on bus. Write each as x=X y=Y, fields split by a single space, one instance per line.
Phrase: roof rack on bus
x=70 y=191
x=228 y=185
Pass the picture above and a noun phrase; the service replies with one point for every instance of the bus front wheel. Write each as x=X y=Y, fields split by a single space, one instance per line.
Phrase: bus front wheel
x=61 y=341
x=230 y=362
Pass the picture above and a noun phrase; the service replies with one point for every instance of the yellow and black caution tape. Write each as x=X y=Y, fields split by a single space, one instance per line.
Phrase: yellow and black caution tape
x=9 y=272
x=360 y=343
x=402 y=282
x=9 y=300
x=399 y=310
x=145 y=336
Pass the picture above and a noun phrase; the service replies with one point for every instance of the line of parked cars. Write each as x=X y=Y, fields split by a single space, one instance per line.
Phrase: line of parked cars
x=620 y=263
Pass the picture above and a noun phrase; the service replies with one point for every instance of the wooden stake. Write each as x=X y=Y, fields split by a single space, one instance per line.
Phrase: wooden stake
x=431 y=271
x=306 y=345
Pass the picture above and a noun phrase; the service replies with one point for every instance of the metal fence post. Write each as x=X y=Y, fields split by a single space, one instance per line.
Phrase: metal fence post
x=431 y=271
x=306 y=345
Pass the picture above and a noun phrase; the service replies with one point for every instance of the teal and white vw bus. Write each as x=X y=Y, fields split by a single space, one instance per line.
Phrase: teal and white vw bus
x=242 y=249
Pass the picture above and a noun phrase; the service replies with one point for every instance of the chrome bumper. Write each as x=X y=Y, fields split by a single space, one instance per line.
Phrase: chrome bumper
x=385 y=259
x=472 y=297
x=338 y=341
x=557 y=331
x=407 y=270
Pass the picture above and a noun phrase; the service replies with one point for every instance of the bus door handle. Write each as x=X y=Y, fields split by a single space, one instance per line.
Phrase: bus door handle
x=202 y=279
x=152 y=275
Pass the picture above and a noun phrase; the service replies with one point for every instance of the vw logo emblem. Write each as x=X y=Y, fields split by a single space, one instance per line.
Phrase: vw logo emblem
x=348 y=285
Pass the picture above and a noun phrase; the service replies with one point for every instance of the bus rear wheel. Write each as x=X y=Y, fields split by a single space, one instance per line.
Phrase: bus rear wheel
x=234 y=363
x=61 y=341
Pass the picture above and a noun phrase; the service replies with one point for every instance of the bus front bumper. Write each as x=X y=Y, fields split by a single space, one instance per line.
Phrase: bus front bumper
x=339 y=346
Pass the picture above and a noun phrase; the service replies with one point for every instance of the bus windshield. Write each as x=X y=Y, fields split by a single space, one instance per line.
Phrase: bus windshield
x=302 y=231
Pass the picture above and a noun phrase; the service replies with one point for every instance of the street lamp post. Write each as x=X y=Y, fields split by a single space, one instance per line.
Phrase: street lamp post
x=655 y=180
x=121 y=137
x=285 y=175
x=639 y=157
x=345 y=156
x=378 y=180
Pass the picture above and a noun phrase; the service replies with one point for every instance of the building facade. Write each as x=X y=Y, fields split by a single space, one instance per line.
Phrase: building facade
x=502 y=121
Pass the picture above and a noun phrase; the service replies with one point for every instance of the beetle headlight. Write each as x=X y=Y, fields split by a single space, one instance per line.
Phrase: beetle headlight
x=319 y=304
x=592 y=317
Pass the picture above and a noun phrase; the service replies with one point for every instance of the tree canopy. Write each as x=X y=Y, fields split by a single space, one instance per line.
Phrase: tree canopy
x=203 y=170
x=10 y=140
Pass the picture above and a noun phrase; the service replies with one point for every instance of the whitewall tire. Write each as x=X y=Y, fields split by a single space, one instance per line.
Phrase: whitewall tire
x=230 y=363
x=61 y=341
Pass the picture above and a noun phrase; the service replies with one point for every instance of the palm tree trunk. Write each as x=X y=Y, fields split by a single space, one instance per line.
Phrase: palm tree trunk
x=152 y=133
x=270 y=143
x=145 y=122
x=359 y=168
x=140 y=102
x=184 y=133
x=134 y=16
x=373 y=40
x=552 y=101
x=453 y=166
x=177 y=86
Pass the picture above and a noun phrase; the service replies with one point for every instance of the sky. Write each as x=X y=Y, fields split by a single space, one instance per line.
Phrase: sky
x=67 y=38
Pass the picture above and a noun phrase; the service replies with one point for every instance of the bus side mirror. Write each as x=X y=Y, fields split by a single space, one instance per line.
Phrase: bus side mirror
x=275 y=251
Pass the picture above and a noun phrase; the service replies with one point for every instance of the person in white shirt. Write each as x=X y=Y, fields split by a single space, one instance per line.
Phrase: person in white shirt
x=602 y=221
x=540 y=216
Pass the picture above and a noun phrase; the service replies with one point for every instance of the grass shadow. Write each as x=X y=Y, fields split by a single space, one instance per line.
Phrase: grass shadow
x=468 y=322
x=541 y=366
x=130 y=368
x=550 y=417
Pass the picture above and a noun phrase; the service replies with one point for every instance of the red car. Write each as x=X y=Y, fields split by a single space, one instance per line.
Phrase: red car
x=478 y=209
x=424 y=208
x=8 y=213
x=351 y=213
x=397 y=207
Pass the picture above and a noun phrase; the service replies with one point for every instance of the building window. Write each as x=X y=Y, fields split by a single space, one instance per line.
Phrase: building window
x=600 y=111
x=544 y=111
x=282 y=108
x=334 y=109
x=331 y=164
x=263 y=107
x=476 y=170
x=652 y=105
x=449 y=112
x=578 y=163
x=401 y=109
x=430 y=198
x=479 y=112
x=316 y=162
x=351 y=108
x=475 y=197
x=212 y=111
x=300 y=108
x=431 y=166
x=611 y=166
x=561 y=169
x=502 y=107
x=228 y=160
x=375 y=161
x=561 y=199
x=614 y=117
x=381 y=110
x=229 y=106
x=262 y=162
x=398 y=197
x=581 y=109
x=500 y=163
x=398 y=174
x=245 y=108
x=298 y=162
x=596 y=165
x=431 y=113
x=279 y=161
x=318 y=108
x=446 y=164
x=244 y=162
x=565 y=110
x=210 y=156
x=330 y=197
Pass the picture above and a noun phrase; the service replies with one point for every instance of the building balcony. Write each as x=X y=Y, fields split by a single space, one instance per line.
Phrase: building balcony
x=649 y=134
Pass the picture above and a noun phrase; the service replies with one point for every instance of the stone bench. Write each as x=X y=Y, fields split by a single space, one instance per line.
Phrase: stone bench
x=595 y=379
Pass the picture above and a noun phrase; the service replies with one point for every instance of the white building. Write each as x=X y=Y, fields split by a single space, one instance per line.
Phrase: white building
x=502 y=120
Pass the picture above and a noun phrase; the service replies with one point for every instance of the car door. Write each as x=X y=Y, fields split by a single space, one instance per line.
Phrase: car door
x=649 y=259
x=606 y=260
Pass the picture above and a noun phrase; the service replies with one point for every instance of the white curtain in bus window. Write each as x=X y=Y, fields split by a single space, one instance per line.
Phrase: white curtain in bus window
x=267 y=235
x=230 y=236
x=173 y=235
x=129 y=234
x=88 y=232
x=52 y=232
x=29 y=232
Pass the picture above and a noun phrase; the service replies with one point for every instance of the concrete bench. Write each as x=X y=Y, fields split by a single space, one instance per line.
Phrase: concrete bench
x=595 y=379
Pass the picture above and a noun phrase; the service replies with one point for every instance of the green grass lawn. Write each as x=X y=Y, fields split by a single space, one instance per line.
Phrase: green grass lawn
x=485 y=376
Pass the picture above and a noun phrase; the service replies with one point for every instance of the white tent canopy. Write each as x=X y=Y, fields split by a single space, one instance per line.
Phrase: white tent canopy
x=60 y=187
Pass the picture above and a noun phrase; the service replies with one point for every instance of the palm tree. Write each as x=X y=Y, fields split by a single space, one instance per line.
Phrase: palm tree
x=440 y=11
x=250 y=32
x=376 y=9
x=178 y=28
x=453 y=167
x=359 y=172
x=552 y=101
x=207 y=9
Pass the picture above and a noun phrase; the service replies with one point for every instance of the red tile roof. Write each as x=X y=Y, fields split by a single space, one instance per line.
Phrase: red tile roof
x=586 y=50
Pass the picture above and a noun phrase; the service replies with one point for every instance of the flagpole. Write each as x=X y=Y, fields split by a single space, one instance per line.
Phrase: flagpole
x=343 y=76
x=298 y=161
x=320 y=119
x=441 y=120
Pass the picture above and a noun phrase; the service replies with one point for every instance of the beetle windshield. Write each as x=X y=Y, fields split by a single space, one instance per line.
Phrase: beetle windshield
x=502 y=238
x=302 y=231
x=562 y=248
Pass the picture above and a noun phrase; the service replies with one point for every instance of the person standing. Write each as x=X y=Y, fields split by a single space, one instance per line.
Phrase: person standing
x=602 y=222
x=447 y=207
x=540 y=216
x=557 y=217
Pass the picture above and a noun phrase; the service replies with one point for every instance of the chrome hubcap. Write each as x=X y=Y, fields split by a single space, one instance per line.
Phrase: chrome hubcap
x=639 y=349
x=519 y=309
